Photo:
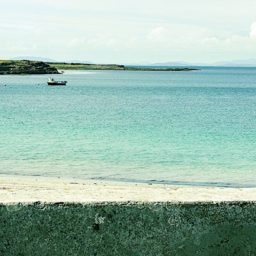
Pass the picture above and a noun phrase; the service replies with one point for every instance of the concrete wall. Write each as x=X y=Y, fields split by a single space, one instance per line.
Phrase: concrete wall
x=128 y=229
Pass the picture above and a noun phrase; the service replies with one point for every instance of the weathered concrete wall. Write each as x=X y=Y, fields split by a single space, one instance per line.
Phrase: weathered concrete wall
x=128 y=229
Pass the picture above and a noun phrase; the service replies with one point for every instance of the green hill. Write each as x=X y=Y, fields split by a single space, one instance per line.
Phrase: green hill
x=19 y=67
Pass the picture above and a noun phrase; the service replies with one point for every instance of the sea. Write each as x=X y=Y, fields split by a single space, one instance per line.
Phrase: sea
x=182 y=128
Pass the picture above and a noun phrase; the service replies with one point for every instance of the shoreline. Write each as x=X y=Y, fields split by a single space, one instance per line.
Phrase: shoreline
x=30 y=189
x=23 y=67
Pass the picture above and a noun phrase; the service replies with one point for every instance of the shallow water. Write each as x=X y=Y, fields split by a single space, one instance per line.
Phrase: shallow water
x=193 y=128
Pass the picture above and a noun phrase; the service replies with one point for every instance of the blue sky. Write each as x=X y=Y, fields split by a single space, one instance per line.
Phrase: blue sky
x=141 y=31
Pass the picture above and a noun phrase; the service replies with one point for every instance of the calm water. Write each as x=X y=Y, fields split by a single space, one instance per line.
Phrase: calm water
x=194 y=128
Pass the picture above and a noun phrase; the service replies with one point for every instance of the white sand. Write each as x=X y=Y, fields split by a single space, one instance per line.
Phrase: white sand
x=15 y=189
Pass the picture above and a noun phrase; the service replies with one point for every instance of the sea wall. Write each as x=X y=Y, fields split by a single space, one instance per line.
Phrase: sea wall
x=128 y=229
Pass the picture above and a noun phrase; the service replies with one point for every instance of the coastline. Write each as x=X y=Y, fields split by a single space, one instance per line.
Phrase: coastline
x=27 y=67
x=111 y=67
x=30 y=189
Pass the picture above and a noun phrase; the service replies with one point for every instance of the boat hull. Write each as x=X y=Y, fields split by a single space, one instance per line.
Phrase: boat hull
x=57 y=83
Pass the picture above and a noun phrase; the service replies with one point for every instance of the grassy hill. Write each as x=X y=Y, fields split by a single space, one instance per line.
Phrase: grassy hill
x=18 y=67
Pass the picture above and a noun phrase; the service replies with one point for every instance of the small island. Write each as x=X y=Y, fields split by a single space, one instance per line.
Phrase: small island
x=27 y=67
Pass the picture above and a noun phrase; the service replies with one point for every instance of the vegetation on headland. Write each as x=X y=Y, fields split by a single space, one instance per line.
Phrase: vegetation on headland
x=82 y=66
x=24 y=67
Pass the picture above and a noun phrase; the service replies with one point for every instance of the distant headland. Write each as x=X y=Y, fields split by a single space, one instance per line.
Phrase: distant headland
x=89 y=66
x=23 y=67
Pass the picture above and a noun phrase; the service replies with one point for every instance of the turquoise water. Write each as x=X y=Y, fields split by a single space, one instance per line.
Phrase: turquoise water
x=193 y=128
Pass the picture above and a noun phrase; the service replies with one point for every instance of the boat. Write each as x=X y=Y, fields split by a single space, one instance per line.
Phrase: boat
x=52 y=82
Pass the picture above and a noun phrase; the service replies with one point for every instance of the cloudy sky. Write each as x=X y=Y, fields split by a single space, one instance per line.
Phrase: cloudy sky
x=134 y=31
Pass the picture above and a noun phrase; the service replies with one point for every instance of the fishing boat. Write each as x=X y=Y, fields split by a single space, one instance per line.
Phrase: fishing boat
x=52 y=82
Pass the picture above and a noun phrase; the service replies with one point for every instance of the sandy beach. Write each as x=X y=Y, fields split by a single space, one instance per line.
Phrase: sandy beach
x=14 y=189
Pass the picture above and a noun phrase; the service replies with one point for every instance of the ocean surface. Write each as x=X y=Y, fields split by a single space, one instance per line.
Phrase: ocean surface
x=196 y=128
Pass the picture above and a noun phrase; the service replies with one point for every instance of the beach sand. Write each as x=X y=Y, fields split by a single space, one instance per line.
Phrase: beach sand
x=24 y=189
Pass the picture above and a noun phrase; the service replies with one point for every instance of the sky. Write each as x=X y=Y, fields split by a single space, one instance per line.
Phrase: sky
x=134 y=31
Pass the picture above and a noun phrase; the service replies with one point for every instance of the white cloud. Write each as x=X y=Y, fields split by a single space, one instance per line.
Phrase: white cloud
x=158 y=34
x=253 y=30
x=118 y=32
